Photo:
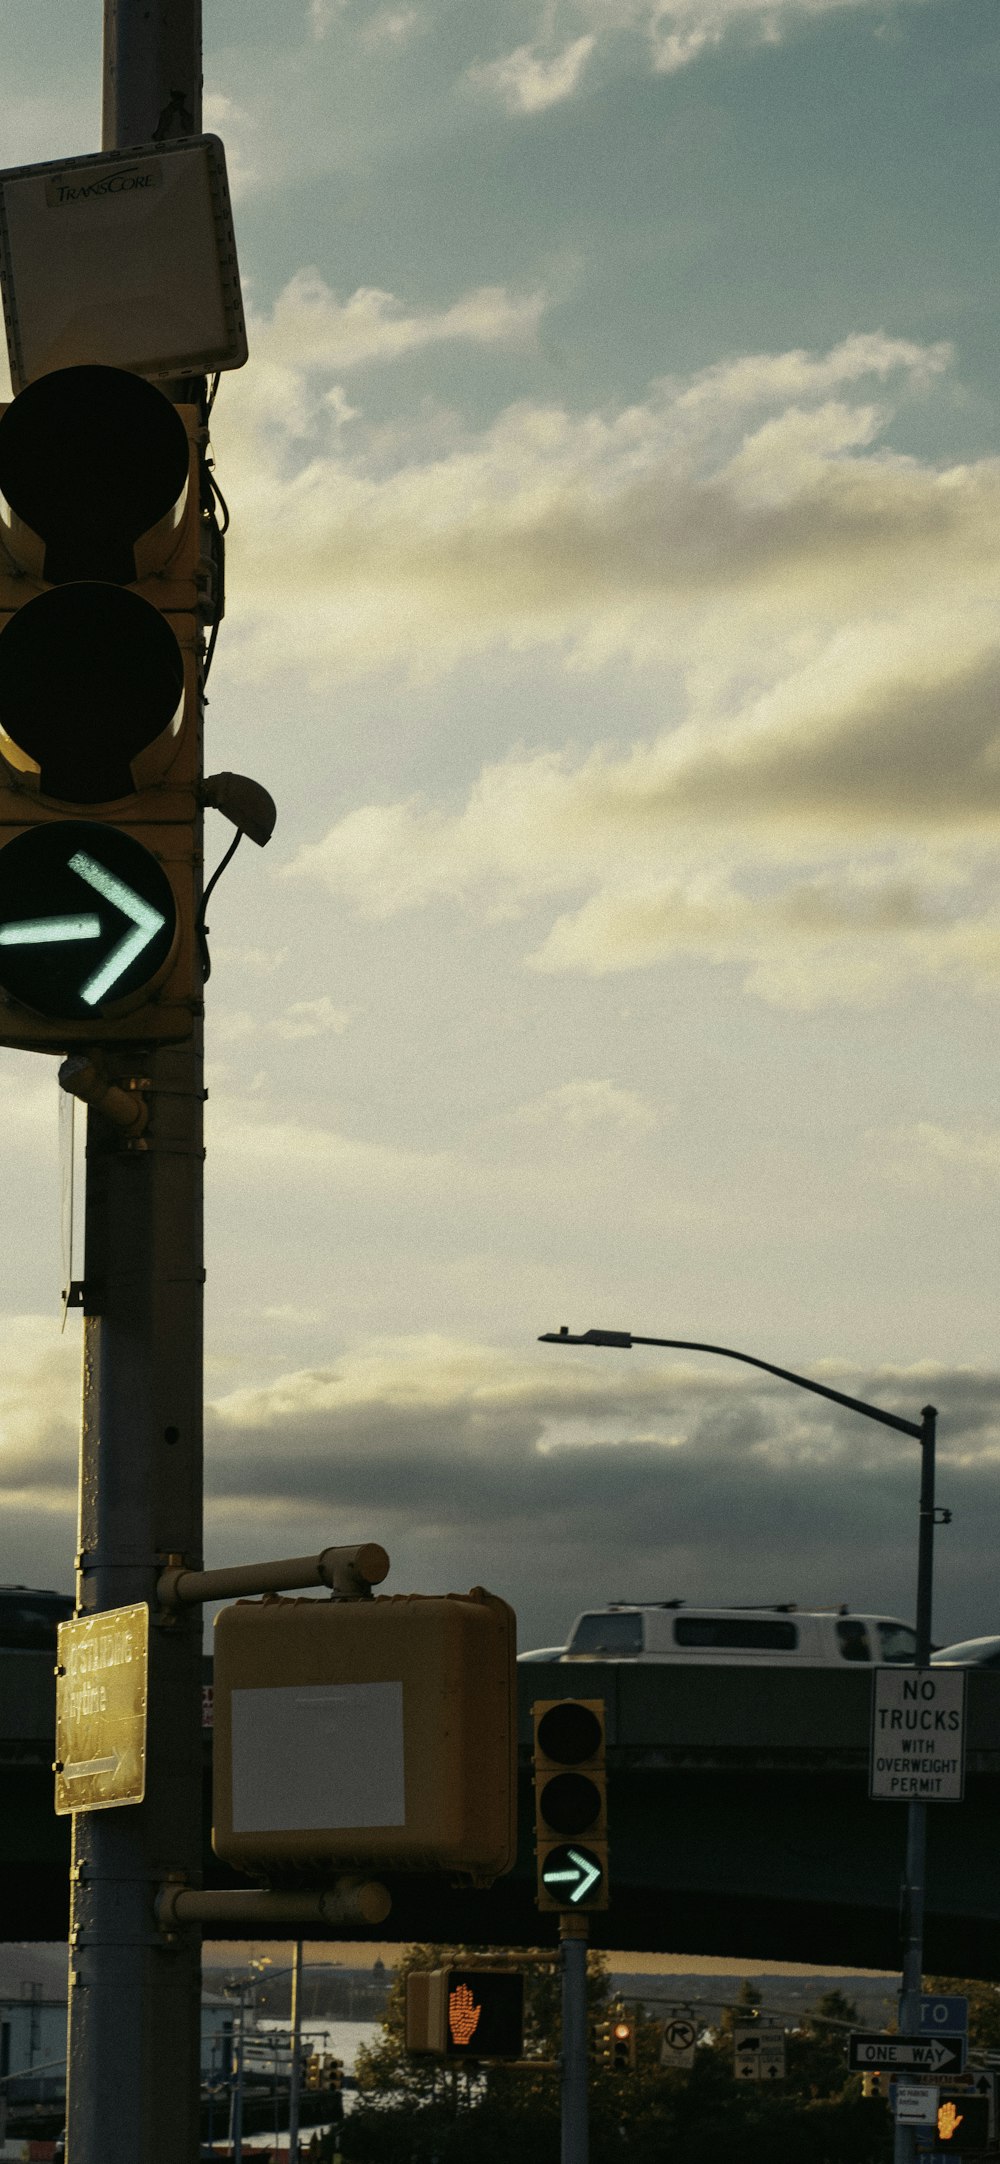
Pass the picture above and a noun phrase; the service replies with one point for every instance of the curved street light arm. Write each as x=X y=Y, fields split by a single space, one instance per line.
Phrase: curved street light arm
x=625 y=1339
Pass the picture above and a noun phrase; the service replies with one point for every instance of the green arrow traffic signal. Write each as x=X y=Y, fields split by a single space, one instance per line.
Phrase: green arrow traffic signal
x=59 y=959
x=570 y=1803
x=104 y=596
x=574 y=1875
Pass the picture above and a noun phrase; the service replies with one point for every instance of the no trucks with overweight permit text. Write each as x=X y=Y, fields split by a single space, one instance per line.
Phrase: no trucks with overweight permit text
x=918 y=1735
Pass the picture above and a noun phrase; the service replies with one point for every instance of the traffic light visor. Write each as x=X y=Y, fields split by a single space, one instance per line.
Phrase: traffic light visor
x=571 y=1802
x=569 y=1732
x=91 y=676
x=94 y=466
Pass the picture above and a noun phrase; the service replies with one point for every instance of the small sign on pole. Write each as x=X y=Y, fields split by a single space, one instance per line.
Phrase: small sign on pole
x=101 y=1684
x=916 y=2105
x=918 y=1735
x=758 y=2053
x=677 y=2041
x=944 y=2017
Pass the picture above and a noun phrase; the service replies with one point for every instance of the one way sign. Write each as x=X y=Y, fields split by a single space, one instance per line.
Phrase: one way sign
x=907 y=2054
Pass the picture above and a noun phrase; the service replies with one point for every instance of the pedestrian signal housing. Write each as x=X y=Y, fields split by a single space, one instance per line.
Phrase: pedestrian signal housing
x=963 y=2120
x=103 y=589
x=370 y=1733
x=465 y=2013
x=571 y=1827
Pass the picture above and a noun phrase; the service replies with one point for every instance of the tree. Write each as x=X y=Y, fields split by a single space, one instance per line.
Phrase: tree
x=421 y=2112
x=419 y=2107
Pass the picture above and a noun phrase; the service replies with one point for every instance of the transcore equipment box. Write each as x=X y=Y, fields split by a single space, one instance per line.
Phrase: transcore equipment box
x=125 y=257
x=366 y=1733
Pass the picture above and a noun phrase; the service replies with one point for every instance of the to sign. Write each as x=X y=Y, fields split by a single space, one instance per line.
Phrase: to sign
x=944 y=2017
x=678 y=2040
x=101 y=1710
x=906 y=2054
x=918 y=1735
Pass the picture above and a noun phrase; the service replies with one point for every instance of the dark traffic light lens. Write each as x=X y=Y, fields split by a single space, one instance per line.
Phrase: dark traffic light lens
x=569 y=1803
x=569 y=1732
x=90 y=459
x=90 y=676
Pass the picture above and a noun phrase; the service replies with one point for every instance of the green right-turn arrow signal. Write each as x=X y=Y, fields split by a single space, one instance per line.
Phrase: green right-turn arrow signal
x=575 y=1869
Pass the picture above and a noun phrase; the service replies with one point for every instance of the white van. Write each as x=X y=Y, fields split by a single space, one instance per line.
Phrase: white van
x=779 y=1637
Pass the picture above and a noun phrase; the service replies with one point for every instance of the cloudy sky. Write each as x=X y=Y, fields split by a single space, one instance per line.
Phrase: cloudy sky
x=613 y=616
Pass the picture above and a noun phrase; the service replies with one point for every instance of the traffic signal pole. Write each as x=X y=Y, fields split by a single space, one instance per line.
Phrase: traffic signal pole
x=133 y=2077
x=904 y=2140
x=152 y=71
x=573 y=1933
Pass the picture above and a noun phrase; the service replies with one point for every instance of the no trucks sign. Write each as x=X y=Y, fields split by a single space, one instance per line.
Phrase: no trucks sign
x=918 y=1735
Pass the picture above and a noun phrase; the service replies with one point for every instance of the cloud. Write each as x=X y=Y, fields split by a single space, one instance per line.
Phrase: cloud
x=819 y=803
x=311 y=329
x=392 y=28
x=529 y=81
x=627 y=1473
x=245 y=169
x=322 y=16
x=303 y=1018
x=720 y=525
x=561 y=1479
x=584 y=1106
x=289 y=1153
x=39 y=1416
x=816 y=943
x=927 y=1156
x=674 y=33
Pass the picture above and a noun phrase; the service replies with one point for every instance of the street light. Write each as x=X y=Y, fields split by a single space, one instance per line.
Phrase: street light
x=916 y=1822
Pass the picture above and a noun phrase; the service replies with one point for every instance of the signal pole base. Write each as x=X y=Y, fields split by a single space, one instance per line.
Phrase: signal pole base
x=573 y=1936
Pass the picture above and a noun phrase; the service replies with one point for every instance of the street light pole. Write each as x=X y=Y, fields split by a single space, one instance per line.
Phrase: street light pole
x=925 y=1431
x=916 y=1815
x=295 y=2071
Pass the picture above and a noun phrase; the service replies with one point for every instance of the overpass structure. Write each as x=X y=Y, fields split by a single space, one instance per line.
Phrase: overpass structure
x=738 y=1812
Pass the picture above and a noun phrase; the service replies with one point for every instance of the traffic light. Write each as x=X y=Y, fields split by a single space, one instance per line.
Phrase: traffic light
x=466 y=2013
x=963 y=2120
x=622 y=2046
x=105 y=579
x=874 y=2084
x=314 y=2071
x=570 y=1801
x=600 y=2043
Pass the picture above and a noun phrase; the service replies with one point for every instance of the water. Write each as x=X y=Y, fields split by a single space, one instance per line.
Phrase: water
x=343 y=2038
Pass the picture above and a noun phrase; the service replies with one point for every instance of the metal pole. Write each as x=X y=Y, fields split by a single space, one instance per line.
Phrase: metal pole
x=133 y=2074
x=573 y=1936
x=916 y=1814
x=152 y=71
x=236 y=2093
x=296 y=2067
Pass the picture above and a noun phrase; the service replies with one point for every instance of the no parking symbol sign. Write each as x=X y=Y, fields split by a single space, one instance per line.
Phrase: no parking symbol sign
x=679 y=2037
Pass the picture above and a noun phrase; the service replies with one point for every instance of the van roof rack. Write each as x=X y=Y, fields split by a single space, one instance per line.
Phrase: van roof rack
x=740 y=1607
